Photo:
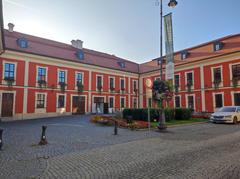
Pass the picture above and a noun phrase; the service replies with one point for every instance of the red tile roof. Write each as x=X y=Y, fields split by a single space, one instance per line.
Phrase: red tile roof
x=50 y=48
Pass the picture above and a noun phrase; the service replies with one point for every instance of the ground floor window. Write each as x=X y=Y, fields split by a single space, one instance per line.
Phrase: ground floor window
x=122 y=101
x=218 y=100
x=135 y=102
x=111 y=101
x=177 y=101
x=61 y=101
x=40 y=100
x=236 y=97
x=190 y=102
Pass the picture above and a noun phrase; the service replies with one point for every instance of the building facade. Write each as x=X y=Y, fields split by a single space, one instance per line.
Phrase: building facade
x=42 y=78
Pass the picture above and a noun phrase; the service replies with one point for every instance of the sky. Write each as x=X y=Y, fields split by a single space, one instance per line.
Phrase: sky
x=129 y=29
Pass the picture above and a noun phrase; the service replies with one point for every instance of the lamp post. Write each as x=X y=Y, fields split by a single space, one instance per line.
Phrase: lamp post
x=172 y=3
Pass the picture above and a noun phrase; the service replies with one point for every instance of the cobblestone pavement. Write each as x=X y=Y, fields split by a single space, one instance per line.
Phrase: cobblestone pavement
x=78 y=149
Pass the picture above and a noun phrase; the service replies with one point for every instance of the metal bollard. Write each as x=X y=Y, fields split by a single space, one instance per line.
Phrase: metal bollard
x=115 y=128
x=43 y=140
x=1 y=141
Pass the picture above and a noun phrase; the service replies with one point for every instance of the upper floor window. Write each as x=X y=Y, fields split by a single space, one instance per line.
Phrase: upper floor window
x=122 y=64
x=9 y=71
x=184 y=55
x=236 y=71
x=79 y=78
x=99 y=82
x=22 y=42
x=42 y=74
x=122 y=84
x=111 y=83
x=135 y=85
x=217 y=74
x=62 y=76
x=177 y=81
x=189 y=79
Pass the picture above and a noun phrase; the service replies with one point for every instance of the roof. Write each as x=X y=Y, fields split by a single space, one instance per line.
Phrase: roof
x=50 y=48
x=203 y=51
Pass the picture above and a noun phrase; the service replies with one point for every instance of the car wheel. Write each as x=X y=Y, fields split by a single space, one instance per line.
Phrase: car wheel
x=235 y=120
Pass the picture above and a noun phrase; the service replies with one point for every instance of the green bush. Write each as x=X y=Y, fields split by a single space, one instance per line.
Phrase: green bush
x=182 y=113
x=170 y=114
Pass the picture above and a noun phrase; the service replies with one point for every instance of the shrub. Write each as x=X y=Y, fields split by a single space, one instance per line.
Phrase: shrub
x=182 y=114
x=169 y=114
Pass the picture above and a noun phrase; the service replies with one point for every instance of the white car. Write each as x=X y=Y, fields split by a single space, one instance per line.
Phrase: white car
x=227 y=114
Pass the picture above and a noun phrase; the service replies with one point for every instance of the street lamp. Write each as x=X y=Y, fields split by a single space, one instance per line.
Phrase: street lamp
x=172 y=3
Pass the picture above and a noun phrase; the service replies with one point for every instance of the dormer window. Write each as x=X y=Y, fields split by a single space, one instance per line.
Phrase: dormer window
x=184 y=55
x=80 y=55
x=122 y=64
x=22 y=42
x=217 y=46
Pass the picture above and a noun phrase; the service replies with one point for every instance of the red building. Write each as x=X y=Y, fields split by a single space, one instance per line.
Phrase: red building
x=41 y=78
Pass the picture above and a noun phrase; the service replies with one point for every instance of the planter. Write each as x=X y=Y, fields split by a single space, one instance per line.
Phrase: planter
x=9 y=81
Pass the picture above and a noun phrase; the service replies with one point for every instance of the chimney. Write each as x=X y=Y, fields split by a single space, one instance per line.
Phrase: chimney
x=10 y=27
x=77 y=43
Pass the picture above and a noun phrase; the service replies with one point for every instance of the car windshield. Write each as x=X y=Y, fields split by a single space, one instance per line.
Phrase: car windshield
x=227 y=109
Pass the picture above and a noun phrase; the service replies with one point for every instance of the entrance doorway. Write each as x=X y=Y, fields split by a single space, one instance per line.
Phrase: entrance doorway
x=7 y=105
x=78 y=105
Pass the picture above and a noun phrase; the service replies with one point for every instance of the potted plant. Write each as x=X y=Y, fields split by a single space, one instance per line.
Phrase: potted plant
x=9 y=80
x=235 y=82
x=42 y=83
x=80 y=87
x=216 y=83
x=62 y=86
x=122 y=90
x=135 y=91
x=112 y=89
x=176 y=88
x=99 y=88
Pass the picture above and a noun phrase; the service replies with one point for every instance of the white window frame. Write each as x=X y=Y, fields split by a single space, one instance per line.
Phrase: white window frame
x=97 y=82
x=180 y=100
x=123 y=97
x=212 y=73
x=113 y=101
x=192 y=71
x=232 y=96
x=133 y=85
x=39 y=66
x=109 y=82
x=214 y=100
x=194 y=101
x=179 y=74
x=76 y=72
x=65 y=99
x=66 y=76
x=41 y=110
x=230 y=70
x=15 y=71
x=125 y=89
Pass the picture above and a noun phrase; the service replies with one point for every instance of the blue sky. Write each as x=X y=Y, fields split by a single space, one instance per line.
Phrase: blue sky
x=126 y=28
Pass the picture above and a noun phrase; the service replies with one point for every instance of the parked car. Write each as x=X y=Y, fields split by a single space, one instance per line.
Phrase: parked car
x=227 y=114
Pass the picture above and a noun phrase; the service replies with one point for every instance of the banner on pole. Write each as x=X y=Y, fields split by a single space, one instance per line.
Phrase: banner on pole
x=169 y=47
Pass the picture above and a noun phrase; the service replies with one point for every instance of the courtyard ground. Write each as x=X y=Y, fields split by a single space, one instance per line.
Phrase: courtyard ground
x=79 y=149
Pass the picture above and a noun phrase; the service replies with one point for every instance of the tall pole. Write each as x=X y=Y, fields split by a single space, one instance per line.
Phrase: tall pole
x=161 y=40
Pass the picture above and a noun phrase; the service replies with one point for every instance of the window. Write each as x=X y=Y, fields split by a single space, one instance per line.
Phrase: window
x=61 y=101
x=236 y=97
x=111 y=83
x=61 y=76
x=134 y=85
x=184 y=55
x=236 y=71
x=40 y=100
x=122 y=84
x=177 y=82
x=190 y=102
x=22 y=42
x=217 y=75
x=42 y=73
x=177 y=102
x=9 y=71
x=99 y=82
x=189 y=79
x=135 y=102
x=122 y=102
x=80 y=55
x=79 y=78
x=217 y=46
x=111 y=102
x=122 y=64
x=218 y=101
